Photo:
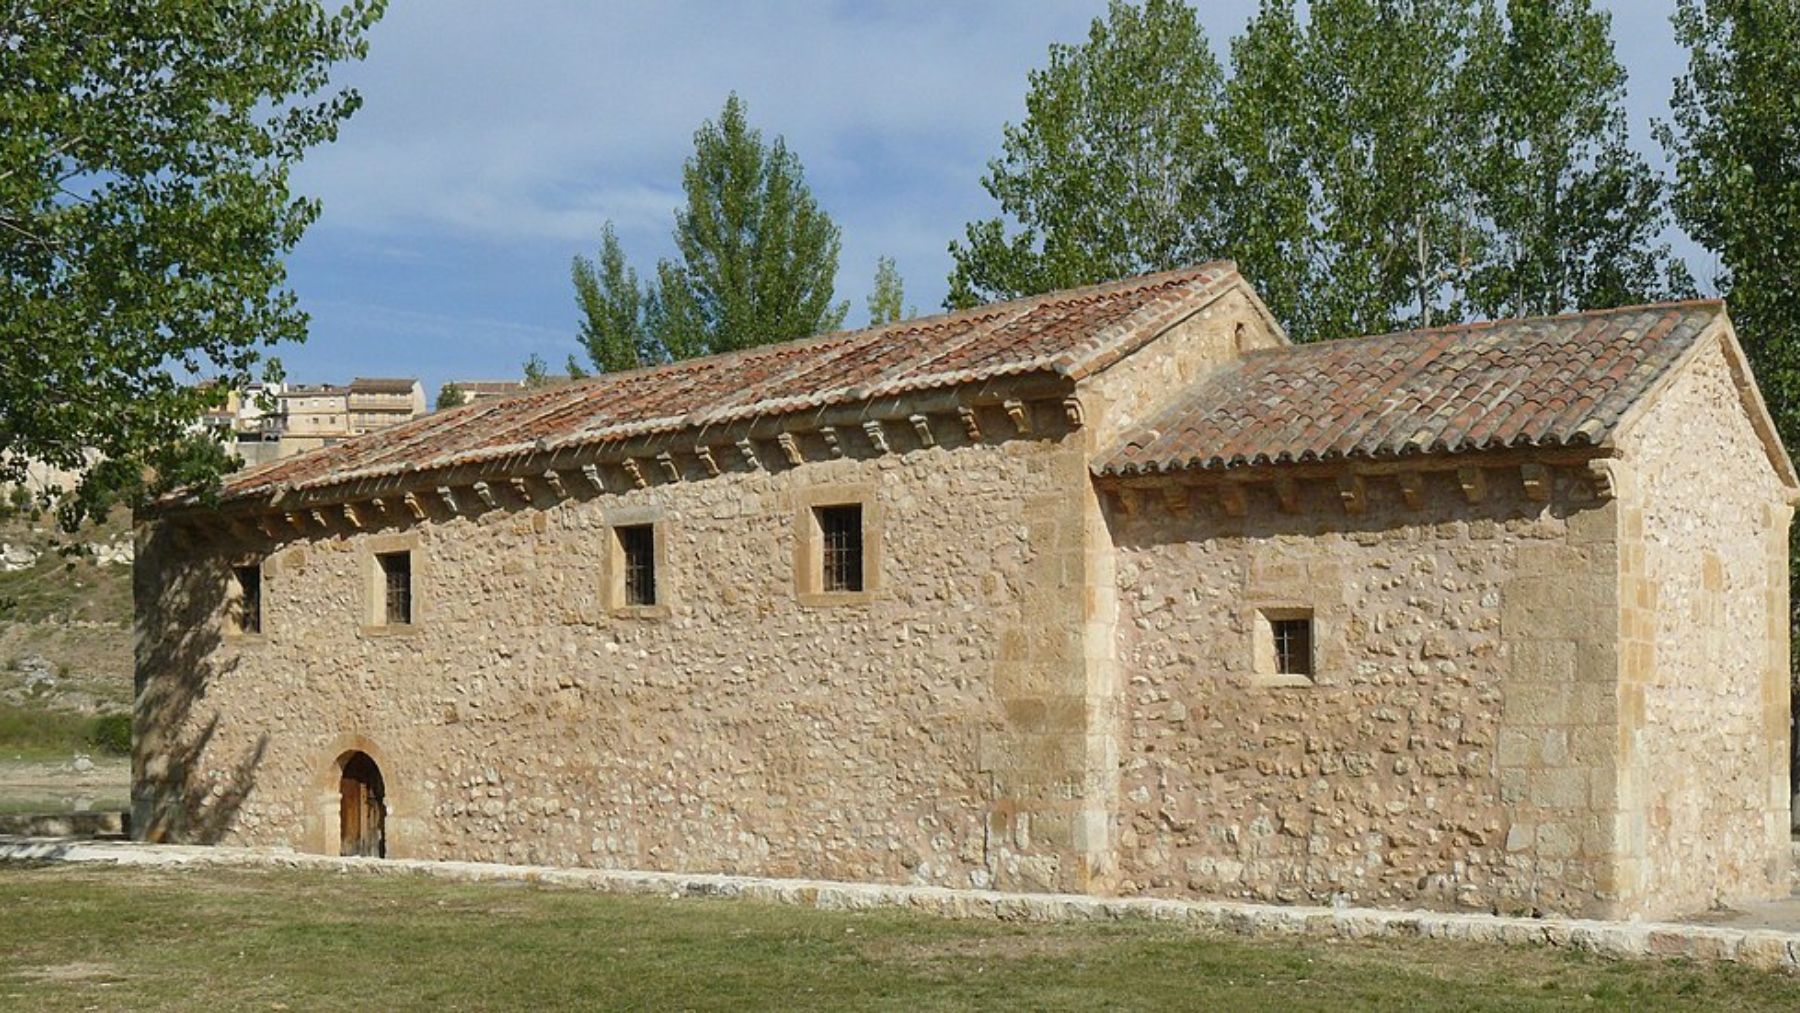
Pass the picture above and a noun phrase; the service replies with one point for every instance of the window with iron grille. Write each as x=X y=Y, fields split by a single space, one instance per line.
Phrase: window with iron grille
x=841 y=547
x=637 y=558
x=1293 y=646
x=249 y=599
x=396 y=579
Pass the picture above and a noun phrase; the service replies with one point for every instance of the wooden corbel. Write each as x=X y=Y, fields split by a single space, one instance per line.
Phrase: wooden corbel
x=485 y=494
x=830 y=434
x=555 y=482
x=666 y=461
x=413 y=506
x=590 y=473
x=747 y=451
x=448 y=497
x=352 y=517
x=877 y=435
x=707 y=461
x=1352 y=494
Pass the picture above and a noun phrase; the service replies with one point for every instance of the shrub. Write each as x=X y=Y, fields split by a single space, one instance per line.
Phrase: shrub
x=111 y=733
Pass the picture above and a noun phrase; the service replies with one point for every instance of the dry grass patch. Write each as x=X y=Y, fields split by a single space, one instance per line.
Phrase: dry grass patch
x=249 y=939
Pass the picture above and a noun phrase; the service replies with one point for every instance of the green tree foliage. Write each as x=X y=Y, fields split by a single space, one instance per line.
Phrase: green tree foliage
x=613 y=307
x=145 y=210
x=1573 y=214
x=451 y=396
x=887 y=300
x=758 y=259
x=1112 y=172
x=1735 y=139
x=1376 y=164
x=537 y=372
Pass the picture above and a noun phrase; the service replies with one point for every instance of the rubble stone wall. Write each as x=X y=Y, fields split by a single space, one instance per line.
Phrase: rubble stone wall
x=1704 y=691
x=1460 y=718
x=924 y=732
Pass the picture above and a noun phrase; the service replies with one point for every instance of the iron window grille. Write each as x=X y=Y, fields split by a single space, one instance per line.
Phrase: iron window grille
x=637 y=550
x=841 y=543
x=396 y=578
x=249 y=611
x=1293 y=646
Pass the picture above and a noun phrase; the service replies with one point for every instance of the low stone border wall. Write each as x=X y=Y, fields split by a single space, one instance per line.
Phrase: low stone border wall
x=100 y=823
x=1758 y=948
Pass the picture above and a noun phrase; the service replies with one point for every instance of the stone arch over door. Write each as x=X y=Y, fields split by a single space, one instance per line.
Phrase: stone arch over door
x=401 y=826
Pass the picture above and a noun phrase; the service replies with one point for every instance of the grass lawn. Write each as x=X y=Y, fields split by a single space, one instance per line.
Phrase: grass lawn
x=100 y=938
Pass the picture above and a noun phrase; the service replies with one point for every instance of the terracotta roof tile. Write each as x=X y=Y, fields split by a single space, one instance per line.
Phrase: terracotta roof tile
x=1068 y=333
x=1546 y=382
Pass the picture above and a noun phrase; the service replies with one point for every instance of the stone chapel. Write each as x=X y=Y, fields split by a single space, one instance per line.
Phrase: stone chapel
x=1110 y=590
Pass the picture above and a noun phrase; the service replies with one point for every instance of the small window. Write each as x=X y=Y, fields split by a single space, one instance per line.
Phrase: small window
x=637 y=558
x=1293 y=646
x=396 y=579
x=249 y=599
x=841 y=542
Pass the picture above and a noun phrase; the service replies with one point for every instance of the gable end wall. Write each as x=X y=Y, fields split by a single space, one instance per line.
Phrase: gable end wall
x=1704 y=684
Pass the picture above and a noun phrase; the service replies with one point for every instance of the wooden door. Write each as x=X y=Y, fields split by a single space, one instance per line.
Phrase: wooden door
x=362 y=809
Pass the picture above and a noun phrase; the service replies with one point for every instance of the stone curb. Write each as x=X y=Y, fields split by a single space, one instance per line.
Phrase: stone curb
x=1758 y=948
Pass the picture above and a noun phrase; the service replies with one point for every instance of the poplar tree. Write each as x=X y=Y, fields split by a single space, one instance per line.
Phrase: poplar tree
x=613 y=308
x=1377 y=164
x=888 y=297
x=1112 y=171
x=1735 y=140
x=1574 y=215
x=757 y=259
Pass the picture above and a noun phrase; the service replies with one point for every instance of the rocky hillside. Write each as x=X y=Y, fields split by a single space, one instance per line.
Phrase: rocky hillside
x=65 y=619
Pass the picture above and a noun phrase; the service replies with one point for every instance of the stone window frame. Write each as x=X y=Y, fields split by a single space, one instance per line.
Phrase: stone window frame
x=612 y=570
x=1260 y=619
x=809 y=574
x=374 y=584
x=232 y=629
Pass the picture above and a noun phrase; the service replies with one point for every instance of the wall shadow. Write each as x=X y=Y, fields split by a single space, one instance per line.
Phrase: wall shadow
x=183 y=789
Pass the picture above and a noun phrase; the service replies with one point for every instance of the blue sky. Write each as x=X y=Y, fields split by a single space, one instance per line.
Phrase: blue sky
x=497 y=137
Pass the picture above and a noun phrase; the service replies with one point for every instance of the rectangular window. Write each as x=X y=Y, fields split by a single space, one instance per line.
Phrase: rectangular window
x=1293 y=646
x=637 y=558
x=249 y=599
x=841 y=545
x=396 y=579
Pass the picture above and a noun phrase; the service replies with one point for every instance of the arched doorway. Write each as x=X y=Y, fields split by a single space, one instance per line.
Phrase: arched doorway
x=362 y=807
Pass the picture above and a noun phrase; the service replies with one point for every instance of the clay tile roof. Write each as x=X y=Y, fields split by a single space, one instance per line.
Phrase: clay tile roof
x=1546 y=382
x=382 y=385
x=1069 y=333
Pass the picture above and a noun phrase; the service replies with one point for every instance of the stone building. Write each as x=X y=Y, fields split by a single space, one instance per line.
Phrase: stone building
x=1109 y=590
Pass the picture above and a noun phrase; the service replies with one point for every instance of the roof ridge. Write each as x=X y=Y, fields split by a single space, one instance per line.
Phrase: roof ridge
x=1493 y=323
x=1014 y=307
